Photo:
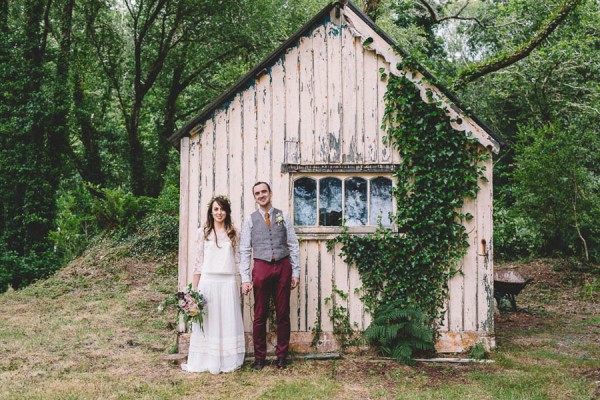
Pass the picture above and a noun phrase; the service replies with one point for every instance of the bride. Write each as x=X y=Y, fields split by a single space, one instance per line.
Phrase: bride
x=218 y=345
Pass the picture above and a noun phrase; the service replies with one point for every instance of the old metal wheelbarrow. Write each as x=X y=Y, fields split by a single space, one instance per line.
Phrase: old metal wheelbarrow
x=508 y=284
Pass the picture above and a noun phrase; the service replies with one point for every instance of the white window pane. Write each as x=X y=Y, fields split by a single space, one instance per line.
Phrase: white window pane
x=305 y=202
x=381 y=201
x=356 y=202
x=330 y=202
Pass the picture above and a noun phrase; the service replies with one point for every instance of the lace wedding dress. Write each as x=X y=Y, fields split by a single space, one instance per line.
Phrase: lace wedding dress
x=218 y=346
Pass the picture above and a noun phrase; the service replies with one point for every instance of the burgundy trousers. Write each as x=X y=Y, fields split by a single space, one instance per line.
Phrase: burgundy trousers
x=271 y=279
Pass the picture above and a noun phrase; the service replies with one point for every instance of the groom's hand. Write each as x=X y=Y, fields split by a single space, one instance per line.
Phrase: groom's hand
x=295 y=282
x=246 y=287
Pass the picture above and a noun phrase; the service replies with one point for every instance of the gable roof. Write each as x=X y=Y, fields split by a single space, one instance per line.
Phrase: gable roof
x=247 y=79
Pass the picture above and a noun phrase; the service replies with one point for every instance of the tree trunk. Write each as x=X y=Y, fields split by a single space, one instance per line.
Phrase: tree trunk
x=136 y=152
x=58 y=131
x=90 y=167
x=166 y=130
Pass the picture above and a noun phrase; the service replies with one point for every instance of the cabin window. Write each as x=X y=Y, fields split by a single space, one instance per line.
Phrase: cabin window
x=331 y=201
x=305 y=202
x=381 y=201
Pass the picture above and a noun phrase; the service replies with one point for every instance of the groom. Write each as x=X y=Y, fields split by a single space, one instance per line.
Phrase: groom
x=269 y=233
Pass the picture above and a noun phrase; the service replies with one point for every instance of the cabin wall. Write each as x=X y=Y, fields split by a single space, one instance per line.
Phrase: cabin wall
x=321 y=103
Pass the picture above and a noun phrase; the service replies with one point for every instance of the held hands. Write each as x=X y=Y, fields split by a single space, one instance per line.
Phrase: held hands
x=246 y=287
x=295 y=282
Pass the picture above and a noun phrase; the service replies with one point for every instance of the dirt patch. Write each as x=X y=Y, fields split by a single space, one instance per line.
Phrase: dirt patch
x=386 y=374
x=556 y=289
x=521 y=321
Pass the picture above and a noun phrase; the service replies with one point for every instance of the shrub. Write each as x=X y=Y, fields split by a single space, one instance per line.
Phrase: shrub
x=117 y=209
x=515 y=235
x=19 y=271
x=398 y=332
x=158 y=232
x=75 y=222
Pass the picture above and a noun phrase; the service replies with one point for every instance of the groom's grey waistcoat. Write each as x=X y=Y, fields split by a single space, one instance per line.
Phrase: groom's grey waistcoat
x=269 y=243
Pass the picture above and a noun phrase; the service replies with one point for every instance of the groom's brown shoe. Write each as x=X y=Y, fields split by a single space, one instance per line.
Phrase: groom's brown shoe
x=281 y=363
x=259 y=364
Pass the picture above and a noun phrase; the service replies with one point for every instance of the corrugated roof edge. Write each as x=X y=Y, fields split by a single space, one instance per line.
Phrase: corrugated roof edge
x=242 y=82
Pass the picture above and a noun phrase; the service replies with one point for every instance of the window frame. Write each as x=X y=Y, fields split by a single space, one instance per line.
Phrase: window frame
x=329 y=232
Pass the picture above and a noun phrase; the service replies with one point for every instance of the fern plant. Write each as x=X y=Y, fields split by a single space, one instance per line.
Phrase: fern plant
x=398 y=332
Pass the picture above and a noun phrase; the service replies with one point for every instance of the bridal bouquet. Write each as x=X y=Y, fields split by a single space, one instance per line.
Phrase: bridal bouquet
x=191 y=304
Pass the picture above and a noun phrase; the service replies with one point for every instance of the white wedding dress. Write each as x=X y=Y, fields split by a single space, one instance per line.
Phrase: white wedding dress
x=218 y=346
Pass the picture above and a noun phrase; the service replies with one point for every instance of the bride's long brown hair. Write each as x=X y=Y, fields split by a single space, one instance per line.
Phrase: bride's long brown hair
x=223 y=202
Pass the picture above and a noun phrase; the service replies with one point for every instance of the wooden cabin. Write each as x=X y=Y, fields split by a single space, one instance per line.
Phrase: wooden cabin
x=308 y=120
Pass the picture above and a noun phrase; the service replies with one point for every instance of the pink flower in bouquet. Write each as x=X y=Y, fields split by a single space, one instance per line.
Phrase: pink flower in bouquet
x=191 y=305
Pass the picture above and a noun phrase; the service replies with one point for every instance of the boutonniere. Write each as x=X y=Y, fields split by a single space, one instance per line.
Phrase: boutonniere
x=279 y=219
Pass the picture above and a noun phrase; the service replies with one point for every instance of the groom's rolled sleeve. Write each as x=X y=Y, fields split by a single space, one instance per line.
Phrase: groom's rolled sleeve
x=293 y=247
x=246 y=250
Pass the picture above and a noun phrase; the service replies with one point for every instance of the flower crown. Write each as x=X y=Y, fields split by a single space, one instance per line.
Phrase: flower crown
x=219 y=196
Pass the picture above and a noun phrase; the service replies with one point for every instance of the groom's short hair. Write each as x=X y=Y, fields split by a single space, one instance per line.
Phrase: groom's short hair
x=260 y=183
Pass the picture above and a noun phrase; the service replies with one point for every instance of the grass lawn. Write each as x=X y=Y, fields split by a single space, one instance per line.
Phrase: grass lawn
x=92 y=331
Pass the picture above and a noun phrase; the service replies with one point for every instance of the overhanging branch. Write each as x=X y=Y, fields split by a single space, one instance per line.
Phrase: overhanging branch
x=496 y=64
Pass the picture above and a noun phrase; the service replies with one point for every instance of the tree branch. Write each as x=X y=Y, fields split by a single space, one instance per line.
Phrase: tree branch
x=436 y=19
x=479 y=70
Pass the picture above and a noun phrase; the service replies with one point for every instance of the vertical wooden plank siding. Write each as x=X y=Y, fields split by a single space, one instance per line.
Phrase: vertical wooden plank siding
x=349 y=98
x=307 y=133
x=193 y=202
x=321 y=136
x=340 y=276
x=249 y=133
x=371 y=78
x=360 y=102
x=326 y=285
x=385 y=153
x=305 y=261
x=334 y=92
x=485 y=310
x=313 y=271
x=355 y=305
x=236 y=153
x=469 y=269
x=292 y=106
x=455 y=303
x=207 y=180
x=221 y=154
x=249 y=171
x=184 y=178
x=286 y=126
x=264 y=132
x=278 y=179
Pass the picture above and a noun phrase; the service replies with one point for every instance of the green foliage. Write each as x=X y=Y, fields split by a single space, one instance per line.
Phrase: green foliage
x=17 y=271
x=515 y=234
x=546 y=108
x=117 y=209
x=398 y=331
x=478 y=352
x=346 y=334
x=591 y=289
x=557 y=187
x=439 y=167
x=75 y=222
x=158 y=232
